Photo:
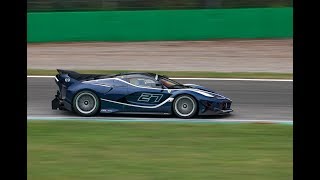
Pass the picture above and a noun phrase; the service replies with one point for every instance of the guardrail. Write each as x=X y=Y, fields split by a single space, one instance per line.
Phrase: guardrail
x=154 y=25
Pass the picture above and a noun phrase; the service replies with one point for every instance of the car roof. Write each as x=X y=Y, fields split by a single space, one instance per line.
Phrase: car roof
x=137 y=73
x=80 y=76
x=142 y=74
x=136 y=76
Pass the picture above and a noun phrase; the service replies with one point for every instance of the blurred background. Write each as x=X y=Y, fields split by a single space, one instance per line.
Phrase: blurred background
x=85 y=5
x=176 y=35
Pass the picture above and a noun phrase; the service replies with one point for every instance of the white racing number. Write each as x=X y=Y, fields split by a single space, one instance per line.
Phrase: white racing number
x=147 y=97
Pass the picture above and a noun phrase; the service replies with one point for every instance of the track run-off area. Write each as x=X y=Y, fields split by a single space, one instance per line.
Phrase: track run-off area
x=254 y=100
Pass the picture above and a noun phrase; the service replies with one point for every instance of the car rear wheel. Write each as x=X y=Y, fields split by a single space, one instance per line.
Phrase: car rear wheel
x=86 y=103
x=185 y=106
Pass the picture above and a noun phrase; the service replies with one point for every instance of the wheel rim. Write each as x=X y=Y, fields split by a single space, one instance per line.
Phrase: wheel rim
x=86 y=103
x=184 y=106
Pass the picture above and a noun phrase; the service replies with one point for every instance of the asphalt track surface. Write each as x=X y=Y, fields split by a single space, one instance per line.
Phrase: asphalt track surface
x=252 y=100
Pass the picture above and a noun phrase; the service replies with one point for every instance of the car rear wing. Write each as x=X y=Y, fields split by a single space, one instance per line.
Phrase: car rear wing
x=83 y=77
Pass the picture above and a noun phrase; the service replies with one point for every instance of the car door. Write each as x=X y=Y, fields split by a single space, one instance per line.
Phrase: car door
x=145 y=95
x=112 y=100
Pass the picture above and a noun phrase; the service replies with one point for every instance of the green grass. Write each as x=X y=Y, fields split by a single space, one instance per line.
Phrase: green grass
x=67 y=150
x=198 y=74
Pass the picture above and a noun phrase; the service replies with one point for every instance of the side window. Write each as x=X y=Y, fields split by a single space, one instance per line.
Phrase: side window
x=104 y=82
x=117 y=83
x=144 y=82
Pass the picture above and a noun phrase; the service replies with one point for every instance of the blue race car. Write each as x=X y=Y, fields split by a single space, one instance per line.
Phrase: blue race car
x=136 y=92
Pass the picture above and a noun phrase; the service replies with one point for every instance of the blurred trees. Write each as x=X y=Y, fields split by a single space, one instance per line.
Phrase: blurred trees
x=93 y=5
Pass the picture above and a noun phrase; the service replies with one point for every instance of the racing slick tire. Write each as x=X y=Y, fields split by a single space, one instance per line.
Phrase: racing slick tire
x=86 y=103
x=185 y=106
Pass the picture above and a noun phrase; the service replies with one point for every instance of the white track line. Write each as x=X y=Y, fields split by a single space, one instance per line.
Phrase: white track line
x=40 y=76
x=207 y=79
x=236 y=79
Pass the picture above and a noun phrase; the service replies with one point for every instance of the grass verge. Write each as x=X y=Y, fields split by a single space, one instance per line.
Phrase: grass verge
x=195 y=74
x=106 y=150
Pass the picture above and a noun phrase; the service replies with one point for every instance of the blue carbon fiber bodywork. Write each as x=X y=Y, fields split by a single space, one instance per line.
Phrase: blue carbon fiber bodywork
x=118 y=95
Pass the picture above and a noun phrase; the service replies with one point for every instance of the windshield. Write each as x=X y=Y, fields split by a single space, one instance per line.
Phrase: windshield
x=171 y=84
